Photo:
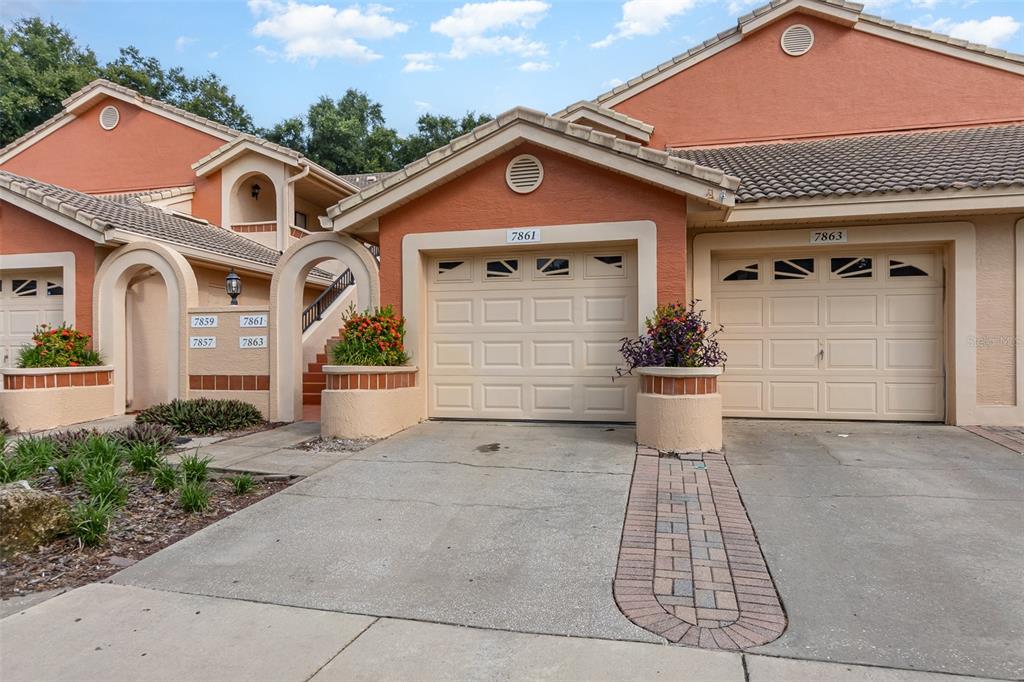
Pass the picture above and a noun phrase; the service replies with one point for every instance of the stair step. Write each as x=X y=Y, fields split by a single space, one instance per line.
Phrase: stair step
x=321 y=358
x=314 y=377
x=315 y=367
x=313 y=386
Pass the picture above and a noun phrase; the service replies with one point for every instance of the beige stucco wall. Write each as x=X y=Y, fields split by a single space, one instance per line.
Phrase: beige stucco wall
x=679 y=423
x=47 y=408
x=997 y=303
x=146 y=351
x=259 y=399
x=370 y=414
x=255 y=288
x=227 y=358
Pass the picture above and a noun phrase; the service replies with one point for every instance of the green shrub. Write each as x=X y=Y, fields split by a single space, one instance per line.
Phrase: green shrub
x=202 y=416
x=68 y=469
x=242 y=484
x=152 y=433
x=374 y=337
x=36 y=452
x=104 y=484
x=68 y=441
x=58 y=347
x=144 y=456
x=100 y=449
x=91 y=520
x=194 y=468
x=8 y=470
x=165 y=477
x=194 y=496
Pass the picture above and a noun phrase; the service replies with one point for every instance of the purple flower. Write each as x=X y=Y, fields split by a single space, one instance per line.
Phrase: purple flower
x=677 y=336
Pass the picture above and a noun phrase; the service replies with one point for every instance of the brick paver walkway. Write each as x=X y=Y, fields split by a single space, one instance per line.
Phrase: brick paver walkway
x=690 y=569
x=1011 y=437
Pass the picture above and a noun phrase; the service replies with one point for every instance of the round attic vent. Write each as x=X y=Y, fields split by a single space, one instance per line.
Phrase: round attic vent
x=797 y=40
x=524 y=173
x=109 y=117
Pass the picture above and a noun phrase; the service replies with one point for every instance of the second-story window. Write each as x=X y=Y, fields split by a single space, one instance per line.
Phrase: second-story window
x=300 y=220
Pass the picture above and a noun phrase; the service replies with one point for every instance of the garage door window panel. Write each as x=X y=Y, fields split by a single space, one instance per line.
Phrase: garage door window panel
x=502 y=269
x=740 y=271
x=789 y=269
x=846 y=267
x=24 y=287
x=559 y=268
x=605 y=267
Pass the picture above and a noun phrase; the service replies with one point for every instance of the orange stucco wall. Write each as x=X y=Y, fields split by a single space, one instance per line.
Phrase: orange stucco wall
x=23 y=232
x=573 y=192
x=144 y=151
x=849 y=82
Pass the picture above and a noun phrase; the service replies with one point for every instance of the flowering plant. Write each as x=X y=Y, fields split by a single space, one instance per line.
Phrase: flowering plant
x=374 y=337
x=61 y=346
x=677 y=336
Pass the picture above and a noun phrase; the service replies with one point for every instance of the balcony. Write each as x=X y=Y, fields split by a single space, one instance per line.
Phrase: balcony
x=260 y=226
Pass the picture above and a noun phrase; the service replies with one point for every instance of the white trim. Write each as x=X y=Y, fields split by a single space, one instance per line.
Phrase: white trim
x=235 y=149
x=961 y=288
x=369 y=369
x=65 y=260
x=36 y=371
x=85 y=101
x=839 y=15
x=644 y=233
x=959 y=201
x=592 y=115
x=679 y=371
x=948 y=49
x=1012 y=415
x=354 y=218
x=52 y=215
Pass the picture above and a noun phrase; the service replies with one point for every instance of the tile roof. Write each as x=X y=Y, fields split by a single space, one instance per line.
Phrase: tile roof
x=595 y=138
x=364 y=180
x=857 y=8
x=147 y=195
x=128 y=214
x=605 y=111
x=963 y=158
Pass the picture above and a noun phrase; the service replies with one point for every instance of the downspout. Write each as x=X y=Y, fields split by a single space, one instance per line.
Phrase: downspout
x=289 y=208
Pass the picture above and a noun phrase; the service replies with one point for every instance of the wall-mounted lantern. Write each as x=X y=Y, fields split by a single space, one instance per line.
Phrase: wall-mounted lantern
x=256 y=191
x=233 y=285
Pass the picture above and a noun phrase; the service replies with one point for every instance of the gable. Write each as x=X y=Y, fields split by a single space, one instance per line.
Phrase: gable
x=144 y=151
x=849 y=82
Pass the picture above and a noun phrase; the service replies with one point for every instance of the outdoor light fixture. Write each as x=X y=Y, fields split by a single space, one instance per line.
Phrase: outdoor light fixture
x=256 y=191
x=233 y=285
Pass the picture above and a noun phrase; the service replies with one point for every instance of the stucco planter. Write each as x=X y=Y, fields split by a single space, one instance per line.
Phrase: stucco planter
x=369 y=402
x=679 y=409
x=48 y=397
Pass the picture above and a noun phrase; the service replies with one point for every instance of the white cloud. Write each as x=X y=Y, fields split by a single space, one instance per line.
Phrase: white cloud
x=612 y=83
x=213 y=55
x=181 y=42
x=419 y=61
x=266 y=53
x=321 y=31
x=535 y=66
x=738 y=7
x=991 y=31
x=423 y=106
x=645 y=18
x=925 y=4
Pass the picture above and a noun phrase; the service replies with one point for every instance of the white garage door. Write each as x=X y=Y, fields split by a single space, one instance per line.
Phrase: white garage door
x=27 y=299
x=843 y=335
x=531 y=335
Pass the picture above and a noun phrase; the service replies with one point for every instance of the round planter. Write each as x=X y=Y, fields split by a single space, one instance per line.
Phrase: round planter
x=369 y=402
x=679 y=409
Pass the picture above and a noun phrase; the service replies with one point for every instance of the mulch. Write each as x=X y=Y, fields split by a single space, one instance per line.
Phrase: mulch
x=149 y=522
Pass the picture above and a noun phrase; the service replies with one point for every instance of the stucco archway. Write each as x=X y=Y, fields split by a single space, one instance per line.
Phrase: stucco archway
x=286 y=307
x=109 y=294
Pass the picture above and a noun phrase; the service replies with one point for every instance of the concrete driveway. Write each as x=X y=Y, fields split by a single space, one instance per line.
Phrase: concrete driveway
x=506 y=526
x=895 y=545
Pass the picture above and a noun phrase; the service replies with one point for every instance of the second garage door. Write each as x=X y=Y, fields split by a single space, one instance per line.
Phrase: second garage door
x=531 y=334
x=849 y=334
x=27 y=299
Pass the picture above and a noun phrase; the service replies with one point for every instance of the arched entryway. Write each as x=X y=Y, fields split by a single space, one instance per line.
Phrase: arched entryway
x=286 y=305
x=253 y=200
x=158 y=286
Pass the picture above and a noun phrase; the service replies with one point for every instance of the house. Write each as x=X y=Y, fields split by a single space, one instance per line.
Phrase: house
x=114 y=168
x=843 y=193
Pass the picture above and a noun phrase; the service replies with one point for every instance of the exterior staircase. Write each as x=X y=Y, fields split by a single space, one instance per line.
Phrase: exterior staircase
x=313 y=379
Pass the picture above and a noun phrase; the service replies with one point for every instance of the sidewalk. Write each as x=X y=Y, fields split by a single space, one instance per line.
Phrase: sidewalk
x=117 y=632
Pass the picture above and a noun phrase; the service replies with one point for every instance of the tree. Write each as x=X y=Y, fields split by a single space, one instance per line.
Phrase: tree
x=40 y=65
x=433 y=132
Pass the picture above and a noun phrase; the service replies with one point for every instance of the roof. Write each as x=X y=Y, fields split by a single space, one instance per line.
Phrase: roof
x=148 y=195
x=849 y=13
x=608 y=118
x=963 y=158
x=602 y=149
x=364 y=180
x=130 y=215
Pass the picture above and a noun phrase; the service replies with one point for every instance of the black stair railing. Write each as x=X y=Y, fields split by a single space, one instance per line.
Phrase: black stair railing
x=315 y=310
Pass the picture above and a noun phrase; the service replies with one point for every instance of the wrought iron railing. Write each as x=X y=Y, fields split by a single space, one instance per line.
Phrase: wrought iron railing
x=328 y=296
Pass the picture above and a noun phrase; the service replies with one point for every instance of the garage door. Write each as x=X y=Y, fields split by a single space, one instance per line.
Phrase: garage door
x=841 y=335
x=27 y=299
x=531 y=335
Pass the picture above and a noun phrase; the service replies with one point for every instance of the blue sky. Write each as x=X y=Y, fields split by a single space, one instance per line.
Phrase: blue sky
x=279 y=56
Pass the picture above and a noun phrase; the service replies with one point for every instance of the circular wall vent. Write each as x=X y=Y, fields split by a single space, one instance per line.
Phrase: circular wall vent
x=524 y=173
x=797 y=40
x=109 y=118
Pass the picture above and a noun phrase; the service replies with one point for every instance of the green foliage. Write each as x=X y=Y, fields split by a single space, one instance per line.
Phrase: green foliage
x=61 y=346
x=202 y=416
x=91 y=520
x=103 y=482
x=35 y=453
x=194 y=468
x=194 y=496
x=71 y=442
x=165 y=477
x=144 y=457
x=371 y=338
x=99 y=449
x=242 y=484
x=434 y=132
x=158 y=435
x=68 y=469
